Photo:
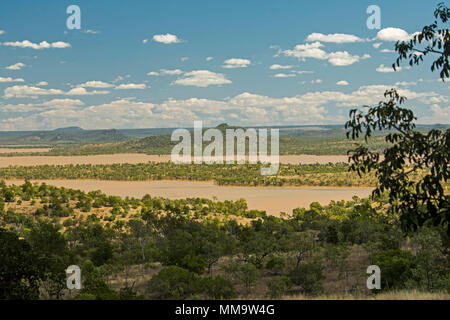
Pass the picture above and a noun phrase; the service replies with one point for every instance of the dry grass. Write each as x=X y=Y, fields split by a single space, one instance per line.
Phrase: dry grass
x=393 y=295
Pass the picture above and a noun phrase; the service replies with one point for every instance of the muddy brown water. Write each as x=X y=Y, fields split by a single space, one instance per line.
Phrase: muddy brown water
x=142 y=158
x=271 y=199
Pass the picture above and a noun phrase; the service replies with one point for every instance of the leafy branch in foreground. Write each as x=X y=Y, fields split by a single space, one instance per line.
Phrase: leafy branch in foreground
x=438 y=42
x=419 y=200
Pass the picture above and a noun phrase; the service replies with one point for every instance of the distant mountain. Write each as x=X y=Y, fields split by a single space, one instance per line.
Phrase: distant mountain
x=69 y=129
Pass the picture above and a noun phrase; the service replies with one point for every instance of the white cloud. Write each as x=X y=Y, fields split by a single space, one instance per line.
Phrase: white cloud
x=202 y=78
x=184 y=59
x=393 y=34
x=89 y=31
x=16 y=66
x=316 y=81
x=42 y=84
x=209 y=58
x=2 y=32
x=382 y=68
x=405 y=83
x=62 y=103
x=284 y=75
x=173 y=72
x=437 y=115
x=335 y=38
x=129 y=86
x=302 y=71
x=308 y=50
x=387 y=51
x=83 y=92
x=342 y=83
x=342 y=58
x=37 y=46
x=29 y=91
x=144 y=41
x=236 y=63
x=279 y=67
x=376 y=45
x=245 y=108
x=313 y=50
x=95 y=84
x=9 y=79
x=166 y=38
x=152 y=73
x=25 y=91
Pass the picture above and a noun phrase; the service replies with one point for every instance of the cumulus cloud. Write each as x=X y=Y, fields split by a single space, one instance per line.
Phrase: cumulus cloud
x=33 y=92
x=16 y=66
x=29 y=91
x=37 y=46
x=130 y=86
x=153 y=73
x=376 y=45
x=284 y=75
x=83 y=92
x=209 y=58
x=9 y=79
x=42 y=84
x=62 y=103
x=279 y=67
x=387 y=51
x=342 y=83
x=316 y=81
x=245 y=108
x=96 y=84
x=173 y=72
x=236 y=63
x=166 y=38
x=202 y=78
x=334 y=38
x=393 y=34
x=314 y=50
x=2 y=32
x=144 y=41
x=382 y=68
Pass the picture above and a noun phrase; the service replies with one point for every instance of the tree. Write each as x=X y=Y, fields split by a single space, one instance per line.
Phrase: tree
x=395 y=268
x=248 y=274
x=172 y=283
x=416 y=165
x=309 y=277
x=431 y=271
x=20 y=272
x=437 y=42
x=50 y=246
x=217 y=288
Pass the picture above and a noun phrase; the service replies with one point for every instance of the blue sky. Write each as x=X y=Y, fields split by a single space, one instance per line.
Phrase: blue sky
x=136 y=64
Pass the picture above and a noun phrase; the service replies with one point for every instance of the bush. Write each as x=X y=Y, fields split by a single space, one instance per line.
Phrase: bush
x=276 y=264
x=218 y=288
x=277 y=286
x=309 y=277
x=395 y=268
x=172 y=283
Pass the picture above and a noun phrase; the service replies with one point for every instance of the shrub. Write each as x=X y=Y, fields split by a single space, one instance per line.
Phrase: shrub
x=172 y=283
x=309 y=277
x=277 y=286
x=395 y=268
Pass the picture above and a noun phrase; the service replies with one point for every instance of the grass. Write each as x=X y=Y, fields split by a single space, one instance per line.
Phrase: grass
x=392 y=295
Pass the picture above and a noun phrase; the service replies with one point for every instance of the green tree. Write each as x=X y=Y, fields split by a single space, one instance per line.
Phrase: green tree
x=416 y=165
x=395 y=268
x=20 y=272
x=309 y=277
x=173 y=283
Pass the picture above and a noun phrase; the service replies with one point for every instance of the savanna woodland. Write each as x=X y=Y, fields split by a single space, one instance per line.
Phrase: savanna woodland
x=156 y=248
